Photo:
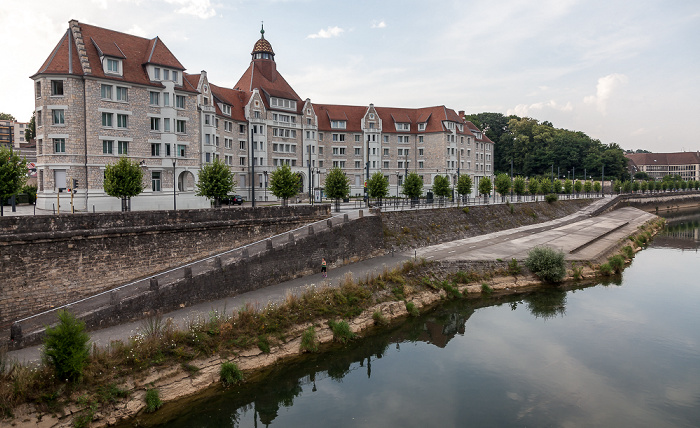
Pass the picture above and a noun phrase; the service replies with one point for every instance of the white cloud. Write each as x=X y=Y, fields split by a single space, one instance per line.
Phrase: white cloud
x=524 y=110
x=380 y=24
x=200 y=8
x=137 y=31
x=327 y=33
x=604 y=89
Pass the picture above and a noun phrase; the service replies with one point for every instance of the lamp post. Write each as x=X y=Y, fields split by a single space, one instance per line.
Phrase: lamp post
x=265 y=174
x=174 y=185
x=398 y=174
x=367 y=174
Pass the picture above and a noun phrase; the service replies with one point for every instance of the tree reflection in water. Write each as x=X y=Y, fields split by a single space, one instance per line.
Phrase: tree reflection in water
x=547 y=303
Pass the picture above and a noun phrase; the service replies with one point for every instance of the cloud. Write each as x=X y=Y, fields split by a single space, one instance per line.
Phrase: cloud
x=604 y=89
x=327 y=33
x=200 y=8
x=524 y=110
x=380 y=24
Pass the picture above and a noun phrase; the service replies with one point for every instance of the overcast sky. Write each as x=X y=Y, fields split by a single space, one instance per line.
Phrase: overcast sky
x=620 y=71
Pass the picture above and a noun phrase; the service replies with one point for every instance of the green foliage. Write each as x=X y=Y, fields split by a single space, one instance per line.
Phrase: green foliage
x=551 y=198
x=30 y=132
x=441 y=186
x=548 y=264
x=568 y=186
x=464 y=185
x=341 y=331
x=283 y=183
x=230 y=374
x=411 y=309
x=379 y=318
x=617 y=263
x=123 y=179
x=30 y=190
x=577 y=272
x=605 y=269
x=6 y=116
x=545 y=186
x=13 y=172
x=309 y=342
x=413 y=186
x=502 y=184
x=337 y=185
x=513 y=267
x=378 y=186
x=587 y=186
x=578 y=186
x=215 y=181
x=264 y=344
x=557 y=186
x=485 y=186
x=486 y=289
x=66 y=347
x=153 y=402
x=597 y=187
x=533 y=186
x=519 y=185
x=628 y=251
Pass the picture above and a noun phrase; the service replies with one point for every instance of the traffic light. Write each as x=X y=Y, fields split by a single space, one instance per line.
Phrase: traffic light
x=75 y=183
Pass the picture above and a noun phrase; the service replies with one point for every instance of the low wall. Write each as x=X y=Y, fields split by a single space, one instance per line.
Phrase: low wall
x=47 y=261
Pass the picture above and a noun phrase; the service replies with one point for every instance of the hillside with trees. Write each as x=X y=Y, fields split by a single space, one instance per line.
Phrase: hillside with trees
x=536 y=148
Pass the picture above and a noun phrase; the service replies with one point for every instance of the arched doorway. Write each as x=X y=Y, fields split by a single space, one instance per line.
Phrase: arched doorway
x=185 y=182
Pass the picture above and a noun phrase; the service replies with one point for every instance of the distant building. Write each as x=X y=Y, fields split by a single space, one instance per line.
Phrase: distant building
x=102 y=94
x=658 y=165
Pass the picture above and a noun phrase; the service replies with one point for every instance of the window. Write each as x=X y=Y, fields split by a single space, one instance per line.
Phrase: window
x=403 y=126
x=207 y=157
x=338 y=137
x=386 y=165
x=320 y=150
x=180 y=101
x=206 y=119
x=38 y=89
x=283 y=103
x=403 y=138
x=156 y=73
x=386 y=152
x=241 y=161
x=357 y=164
x=166 y=125
x=57 y=116
x=155 y=98
x=38 y=117
x=155 y=149
x=241 y=145
x=181 y=150
x=57 y=88
x=420 y=152
x=207 y=139
x=174 y=76
x=420 y=164
x=338 y=124
x=166 y=74
x=155 y=124
x=226 y=109
x=155 y=181
x=59 y=145
x=420 y=138
x=107 y=119
x=421 y=126
x=166 y=99
x=112 y=66
x=241 y=129
x=320 y=164
x=122 y=121
x=180 y=126
x=386 y=138
x=358 y=151
x=122 y=94
x=123 y=147
x=107 y=147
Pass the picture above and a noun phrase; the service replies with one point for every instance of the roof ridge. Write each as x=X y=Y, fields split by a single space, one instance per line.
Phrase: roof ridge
x=80 y=45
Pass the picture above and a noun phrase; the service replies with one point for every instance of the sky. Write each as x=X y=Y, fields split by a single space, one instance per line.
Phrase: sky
x=622 y=72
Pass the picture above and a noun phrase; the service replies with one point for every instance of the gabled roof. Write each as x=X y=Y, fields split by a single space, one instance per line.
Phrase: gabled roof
x=353 y=116
x=233 y=97
x=263 y=75
x=678 y=158
x=63 y=59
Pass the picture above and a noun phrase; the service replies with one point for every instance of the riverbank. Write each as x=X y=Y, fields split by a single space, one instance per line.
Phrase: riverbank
x=192 y=365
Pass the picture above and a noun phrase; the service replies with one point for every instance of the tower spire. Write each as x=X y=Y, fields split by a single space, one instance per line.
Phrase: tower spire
x=262 y=29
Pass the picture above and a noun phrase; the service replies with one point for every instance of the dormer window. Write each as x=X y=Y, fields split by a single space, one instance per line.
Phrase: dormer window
x=403 y=126
x=112 y=66
x=226 y=109
x=421 y=126
x=338 y=124
x=283 y=103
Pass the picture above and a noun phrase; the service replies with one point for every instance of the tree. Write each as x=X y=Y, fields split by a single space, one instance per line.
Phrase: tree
x=568 y=186
x=556 y=186
x=464 y=185
x=533 y=186
x=641 y=175
x=485 y=187
x=378 y=186
x=635 y=186
x=441 y=186
x=6 y=116
x=597 y=187
x=283 y=183
x=545 y=186
x=30 y=132
x=66 y=347
x=587 y=187
x=519 y=186
x=215 y=181
x=13 y=174
x=503 y=185
x=337 y=186
x=124 y=180
x=643 y=186
x=578 y=186
x=413 y=186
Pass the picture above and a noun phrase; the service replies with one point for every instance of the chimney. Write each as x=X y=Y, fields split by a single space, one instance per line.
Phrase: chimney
x=461 y=114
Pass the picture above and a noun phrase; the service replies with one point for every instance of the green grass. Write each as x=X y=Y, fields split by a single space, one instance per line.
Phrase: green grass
x=341 y=331
x=379 y=318
x=153 y=402
x=411 y=309
x=309 y=342
x=230 y=374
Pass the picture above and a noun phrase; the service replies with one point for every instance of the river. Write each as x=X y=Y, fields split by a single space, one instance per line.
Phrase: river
x=623 y=353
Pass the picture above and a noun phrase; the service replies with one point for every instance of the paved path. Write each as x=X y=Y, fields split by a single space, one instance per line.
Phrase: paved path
x=564 y=233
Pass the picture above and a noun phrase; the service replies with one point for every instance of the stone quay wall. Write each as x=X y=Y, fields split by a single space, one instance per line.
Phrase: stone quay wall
x=47 y=261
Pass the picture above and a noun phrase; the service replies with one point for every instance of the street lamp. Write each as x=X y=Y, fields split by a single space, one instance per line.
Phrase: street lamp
x=398 y=174
x=174 y=185
x=265 y=174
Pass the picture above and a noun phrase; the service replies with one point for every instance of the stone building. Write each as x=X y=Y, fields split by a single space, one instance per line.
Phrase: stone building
x=658 y=165
x=102 y=94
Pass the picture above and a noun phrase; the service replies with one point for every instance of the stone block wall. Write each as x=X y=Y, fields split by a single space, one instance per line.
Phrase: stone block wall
x=47 y=261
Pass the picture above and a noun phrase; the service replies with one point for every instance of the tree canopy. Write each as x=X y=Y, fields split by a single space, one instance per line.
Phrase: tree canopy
x=441 y=186
x=123 y=179
x=502 y=184
x=378 y=186
x=464 y=185
x=283 y=183
x=337 y=185
x=215 y=181
x=30 y=132
x=485 y=186
x=6 y=116
x=13 y=173
x=413 y=185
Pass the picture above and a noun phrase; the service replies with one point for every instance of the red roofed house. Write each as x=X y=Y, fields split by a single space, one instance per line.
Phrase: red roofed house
x=658 y=165
x=102 y=93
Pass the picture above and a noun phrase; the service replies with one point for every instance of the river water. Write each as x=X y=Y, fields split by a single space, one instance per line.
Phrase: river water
x=625 y=353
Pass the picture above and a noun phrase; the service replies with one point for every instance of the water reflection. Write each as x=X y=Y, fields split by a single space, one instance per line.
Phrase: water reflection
x=682 y=231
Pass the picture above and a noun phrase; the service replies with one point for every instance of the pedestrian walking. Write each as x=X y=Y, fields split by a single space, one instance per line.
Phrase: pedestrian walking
x=323 y=267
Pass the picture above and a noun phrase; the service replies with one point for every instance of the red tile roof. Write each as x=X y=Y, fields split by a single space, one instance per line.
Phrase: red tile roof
x=679 y=158
x=235 y=98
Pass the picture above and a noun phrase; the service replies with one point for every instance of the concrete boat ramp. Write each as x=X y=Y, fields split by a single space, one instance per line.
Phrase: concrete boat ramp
x=585 y=238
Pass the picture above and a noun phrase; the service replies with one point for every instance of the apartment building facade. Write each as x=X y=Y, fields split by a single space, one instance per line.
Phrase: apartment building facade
x=102 y=94
x=659 y=165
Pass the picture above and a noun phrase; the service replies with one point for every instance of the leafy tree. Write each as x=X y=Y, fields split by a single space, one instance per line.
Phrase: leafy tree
x=215 y=181
x=283 y=183
x=643 y=186
x=578 y=186
x=641 y=175
x=464 y=185
x=337 y=186
x=30 y=132
x=545 y=186
x=66 y=347
x=124 y=180
x=597 y=187
x=13 y=174
x=557 y=186
x=626 y=186
x=413 y=186
x=533 y=186
x=503 y=185
x=378 y=186
x=617 y=186
x=587 y=187
x=547 y=263
x=635 y=186
x=441 y=186
x=485 y=187
x=6 y=116
x=568 y=186
x=519 y=186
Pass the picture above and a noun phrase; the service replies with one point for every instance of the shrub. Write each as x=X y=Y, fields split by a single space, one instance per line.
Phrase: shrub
x=309 y=343
x=513 y=267
x=577 y=272
x=486 y=289
x=552 y=197
x=411 y=309
x=628 y=251
x=66 y=347
x=465 y=210
x=230 y=374
x=153 y=402
x=264 y=344
x=379 y=318
x=548 y=264
x=341 y=331
x=617 y=263
x=605 y=269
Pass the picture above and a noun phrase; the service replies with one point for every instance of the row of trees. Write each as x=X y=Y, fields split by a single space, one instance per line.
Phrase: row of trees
x=536 y=148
